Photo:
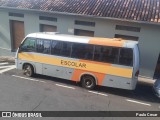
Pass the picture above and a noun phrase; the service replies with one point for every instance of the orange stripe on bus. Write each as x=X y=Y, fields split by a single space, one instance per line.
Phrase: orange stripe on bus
x=95 y=62
x=108 y=68
x=77 y=74
x=107 y=42
x=102 y=68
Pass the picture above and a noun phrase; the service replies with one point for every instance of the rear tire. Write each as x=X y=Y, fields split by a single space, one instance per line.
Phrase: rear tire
x=28 y=70
x=88 y=82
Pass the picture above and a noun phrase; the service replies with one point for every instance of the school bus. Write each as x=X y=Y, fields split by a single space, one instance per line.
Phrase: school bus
x=92 y=61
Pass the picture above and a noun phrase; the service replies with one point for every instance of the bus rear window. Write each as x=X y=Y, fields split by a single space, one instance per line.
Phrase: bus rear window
x=126 y=57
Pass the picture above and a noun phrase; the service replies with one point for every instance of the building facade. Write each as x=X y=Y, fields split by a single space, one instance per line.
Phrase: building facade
x=16 y=23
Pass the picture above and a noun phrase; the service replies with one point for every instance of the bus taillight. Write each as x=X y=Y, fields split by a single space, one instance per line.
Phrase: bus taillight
x=137 y=73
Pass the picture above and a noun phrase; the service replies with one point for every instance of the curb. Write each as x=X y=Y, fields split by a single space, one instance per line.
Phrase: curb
x=146 y=80
x=7 y=59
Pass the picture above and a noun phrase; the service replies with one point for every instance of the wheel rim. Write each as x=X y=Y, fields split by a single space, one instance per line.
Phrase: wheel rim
x=27 y=70
x=88 y=82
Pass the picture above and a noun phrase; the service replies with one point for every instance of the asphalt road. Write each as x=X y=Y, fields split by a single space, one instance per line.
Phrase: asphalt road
x=43 y=93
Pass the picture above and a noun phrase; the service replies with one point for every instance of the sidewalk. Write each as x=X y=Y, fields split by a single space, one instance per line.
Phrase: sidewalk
x=9 y=59
x=147 y=81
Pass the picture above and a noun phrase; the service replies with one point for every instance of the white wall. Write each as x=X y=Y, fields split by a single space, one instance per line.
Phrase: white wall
x=148 y=36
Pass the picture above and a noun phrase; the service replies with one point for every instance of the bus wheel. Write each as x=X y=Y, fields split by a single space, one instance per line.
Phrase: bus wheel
x=88 y=82
x=28 y=70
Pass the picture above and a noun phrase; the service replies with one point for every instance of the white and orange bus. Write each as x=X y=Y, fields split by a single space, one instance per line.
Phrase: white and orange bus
x=89 y=60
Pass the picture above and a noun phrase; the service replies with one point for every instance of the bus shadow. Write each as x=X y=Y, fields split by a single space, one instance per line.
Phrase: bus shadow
x=58 y=80
x=143 y=92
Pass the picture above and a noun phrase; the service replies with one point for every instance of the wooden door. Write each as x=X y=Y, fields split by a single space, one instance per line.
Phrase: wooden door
x=17 y=33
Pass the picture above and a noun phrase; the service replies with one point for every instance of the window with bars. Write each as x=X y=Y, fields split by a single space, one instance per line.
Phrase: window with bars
x=16 y=14
x=128 y=28
x=48 y=18
x=85 y=23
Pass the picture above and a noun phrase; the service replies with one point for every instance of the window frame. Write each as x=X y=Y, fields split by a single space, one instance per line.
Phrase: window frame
x=13 y=14
x=47 y=18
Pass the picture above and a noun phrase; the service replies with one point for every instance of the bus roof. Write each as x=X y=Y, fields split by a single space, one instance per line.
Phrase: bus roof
x=117 y=42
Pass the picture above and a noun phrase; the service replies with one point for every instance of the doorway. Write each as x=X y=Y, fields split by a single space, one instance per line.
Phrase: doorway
x=17 y=33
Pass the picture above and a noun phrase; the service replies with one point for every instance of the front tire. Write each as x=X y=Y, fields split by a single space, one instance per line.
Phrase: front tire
x=88 y=82
x=28 y=70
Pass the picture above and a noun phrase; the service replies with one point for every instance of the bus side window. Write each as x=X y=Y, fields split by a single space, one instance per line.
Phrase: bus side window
x=77 y=50
x=114 y=55
x=56 y=47
x=126 y=57
x=97 y=54
x=47 y=46
x=28 y=45
x=40 y=46
x=89 y=52
x=66 y=49
x=106 y=54
x=82 y=51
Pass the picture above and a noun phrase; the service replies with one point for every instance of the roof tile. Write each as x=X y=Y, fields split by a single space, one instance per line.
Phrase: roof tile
x=139 y=10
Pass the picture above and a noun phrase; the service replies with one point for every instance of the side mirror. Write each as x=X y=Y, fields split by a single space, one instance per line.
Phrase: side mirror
x=19 y=49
